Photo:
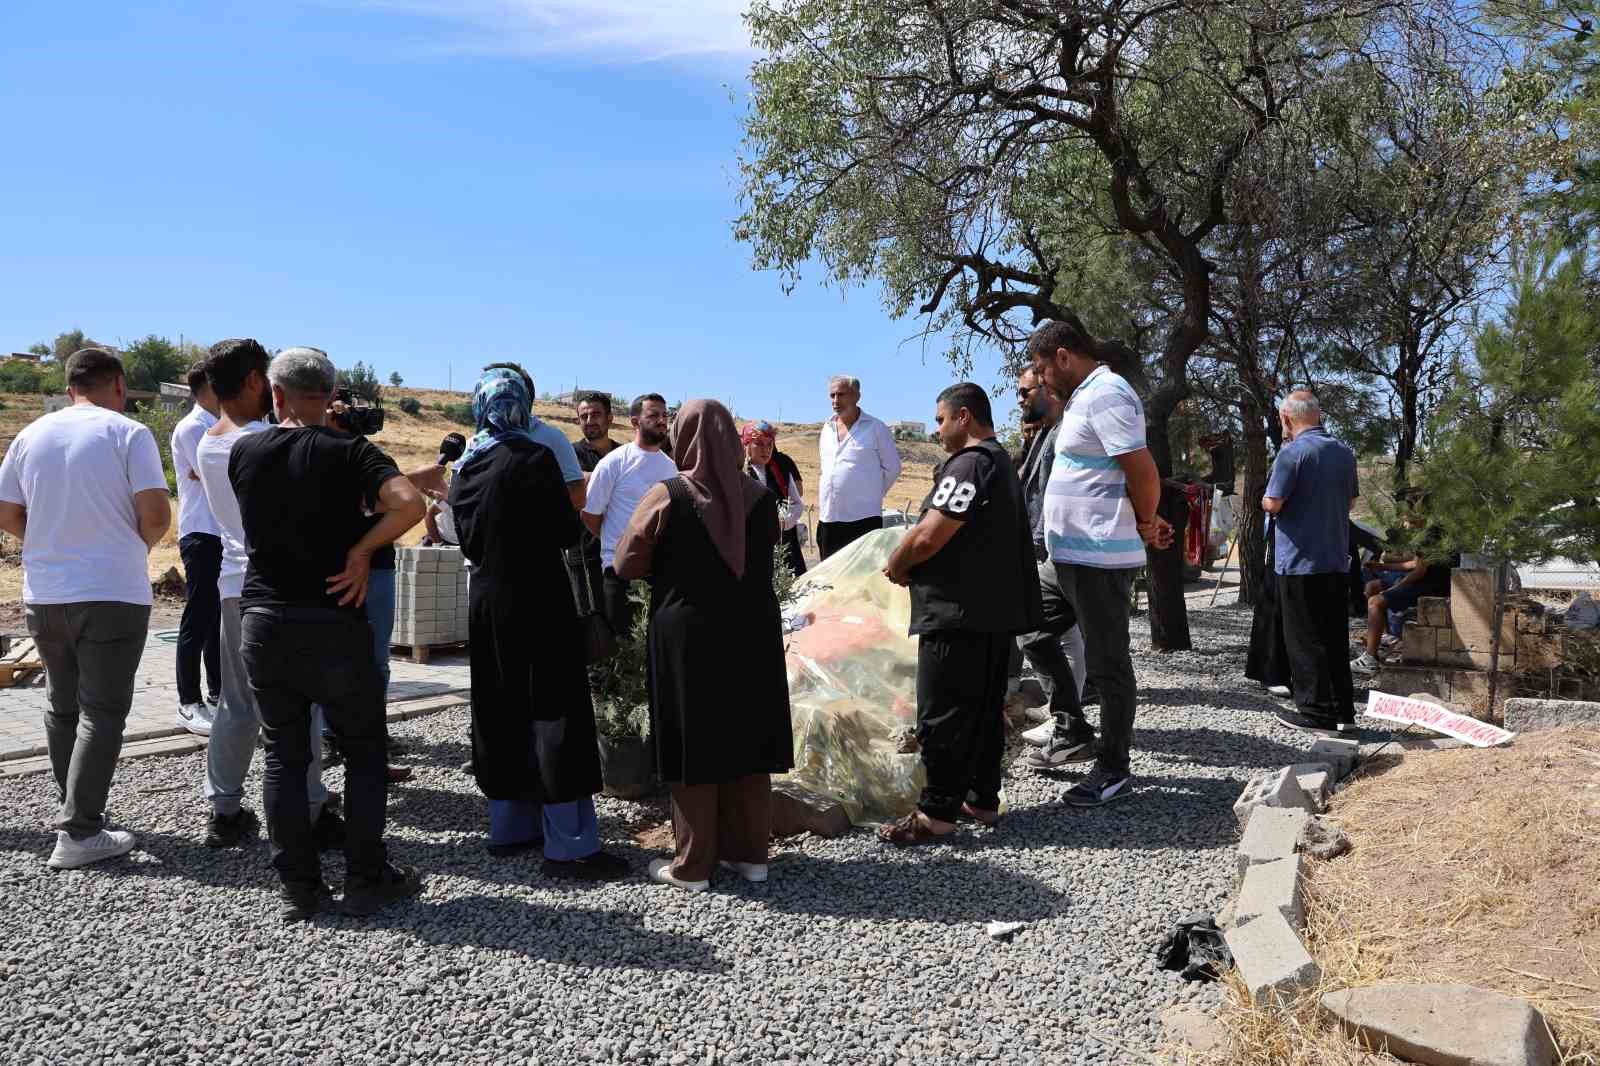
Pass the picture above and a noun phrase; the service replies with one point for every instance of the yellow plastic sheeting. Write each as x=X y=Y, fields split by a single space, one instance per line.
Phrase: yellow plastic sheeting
x=853 y=683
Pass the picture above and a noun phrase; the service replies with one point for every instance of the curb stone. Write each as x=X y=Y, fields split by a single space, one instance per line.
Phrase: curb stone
x=1270 y=958
x=1272 y=888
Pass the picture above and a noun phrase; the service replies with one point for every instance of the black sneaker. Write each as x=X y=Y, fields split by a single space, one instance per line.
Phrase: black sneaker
x=363 y=896
x=597 y=867
x=1099 y=788
x=329 y=830
x=232 y=830
x=1062 y=751
x=299 y=901
x=1310 y=723
x=521 y=847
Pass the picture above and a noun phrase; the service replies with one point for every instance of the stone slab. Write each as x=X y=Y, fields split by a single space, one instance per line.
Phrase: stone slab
x=1315 y=780
x=1530 y=716
x=1200 y=1031
x=1272 y=888
x=1272 y=962
x=1342 y=755
x=1270 y=836
x=797 y=810
x=1444 y=1025
x=1278 y=788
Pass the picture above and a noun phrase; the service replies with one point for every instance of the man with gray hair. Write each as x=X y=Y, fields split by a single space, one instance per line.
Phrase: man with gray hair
x=860 y=463
x=306 y=494
x=1310 y=493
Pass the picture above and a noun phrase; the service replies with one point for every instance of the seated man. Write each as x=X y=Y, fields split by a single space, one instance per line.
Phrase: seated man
x=1396 y=588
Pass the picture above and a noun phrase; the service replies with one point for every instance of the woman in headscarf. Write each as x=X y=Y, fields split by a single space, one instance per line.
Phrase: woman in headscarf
x=533 y=737
x=719 y=695
x=776 y=471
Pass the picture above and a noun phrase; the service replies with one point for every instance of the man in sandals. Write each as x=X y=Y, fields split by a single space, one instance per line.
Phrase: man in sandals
x=974 y=587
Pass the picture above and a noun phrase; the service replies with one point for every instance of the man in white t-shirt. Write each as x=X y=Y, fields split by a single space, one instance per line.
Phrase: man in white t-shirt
x=84 y=491
x=860 y=464
x=617 y=484
x=236 y=371
x=200 y=546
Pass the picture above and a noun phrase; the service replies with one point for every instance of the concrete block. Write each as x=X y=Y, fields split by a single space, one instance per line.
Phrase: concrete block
x=1472 y=610
x=798 y=810
x=1529 y=716
x=1537 y=652
x=1444 y=1025
x=1271 y=835
x=1270 y=958
x=1419 y=643
x=427 y=561
x=1342 y=755
x=1276 y=789
x=1272 y=888
x=1532 y=619
x=1316 y=780
x=1434 y=611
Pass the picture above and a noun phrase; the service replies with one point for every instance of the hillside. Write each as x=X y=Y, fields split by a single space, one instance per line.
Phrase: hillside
x=414 y=440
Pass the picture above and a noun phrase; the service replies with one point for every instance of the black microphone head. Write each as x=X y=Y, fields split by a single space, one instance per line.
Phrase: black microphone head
x=451 y=447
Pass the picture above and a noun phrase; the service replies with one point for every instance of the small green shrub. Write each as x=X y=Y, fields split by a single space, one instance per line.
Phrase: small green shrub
x=411 y=405
x=459 y=412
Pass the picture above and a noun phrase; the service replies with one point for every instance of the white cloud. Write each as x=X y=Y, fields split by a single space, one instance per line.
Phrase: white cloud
x=614 y=29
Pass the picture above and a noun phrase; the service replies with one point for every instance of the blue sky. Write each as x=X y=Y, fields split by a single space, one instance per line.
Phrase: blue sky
x=418 y=184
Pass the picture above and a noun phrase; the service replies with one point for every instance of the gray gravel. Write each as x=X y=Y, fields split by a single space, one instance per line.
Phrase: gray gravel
x=853 y=953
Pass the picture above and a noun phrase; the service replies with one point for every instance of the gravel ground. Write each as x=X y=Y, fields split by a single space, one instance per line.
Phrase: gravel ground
x=853 y=953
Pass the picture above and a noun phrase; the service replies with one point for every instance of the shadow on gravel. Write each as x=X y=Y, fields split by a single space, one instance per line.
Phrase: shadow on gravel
x=438 y=809
x=912 y=890
x=578 y=936
x=1222 y=747
x=1227 y=699
x=1162 y=813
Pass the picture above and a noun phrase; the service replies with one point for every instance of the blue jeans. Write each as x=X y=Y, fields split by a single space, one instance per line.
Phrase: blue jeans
x=380 y=616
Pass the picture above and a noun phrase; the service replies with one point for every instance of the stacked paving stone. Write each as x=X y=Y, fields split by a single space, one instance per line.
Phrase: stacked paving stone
x=430 y=596
x=1446 y=651
x=1265 y=919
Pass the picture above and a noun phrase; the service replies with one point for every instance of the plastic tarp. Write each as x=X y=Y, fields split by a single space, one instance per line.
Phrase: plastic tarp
x=853 y=683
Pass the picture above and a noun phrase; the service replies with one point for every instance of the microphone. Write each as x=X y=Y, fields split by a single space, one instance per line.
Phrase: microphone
x=451 y=447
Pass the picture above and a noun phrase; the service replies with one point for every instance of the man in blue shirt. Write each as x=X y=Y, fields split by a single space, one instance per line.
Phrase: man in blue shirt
x=1311 y=491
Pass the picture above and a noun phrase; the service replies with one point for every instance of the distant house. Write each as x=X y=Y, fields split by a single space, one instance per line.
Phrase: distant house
x=29 y=356
x=909 y=430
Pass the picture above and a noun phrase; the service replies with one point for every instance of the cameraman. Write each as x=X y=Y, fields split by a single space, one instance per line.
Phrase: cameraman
x=305 y=495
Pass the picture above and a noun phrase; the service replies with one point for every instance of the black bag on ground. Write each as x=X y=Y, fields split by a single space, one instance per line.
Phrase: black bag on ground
x=599 y=641
x=1195 y=949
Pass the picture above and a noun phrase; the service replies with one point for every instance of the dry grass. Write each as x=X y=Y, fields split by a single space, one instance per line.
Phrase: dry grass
x=1471 y=866
x=413 y=440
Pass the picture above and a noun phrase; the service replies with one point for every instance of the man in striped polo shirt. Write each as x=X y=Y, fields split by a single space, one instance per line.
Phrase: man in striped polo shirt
x=1099 y=514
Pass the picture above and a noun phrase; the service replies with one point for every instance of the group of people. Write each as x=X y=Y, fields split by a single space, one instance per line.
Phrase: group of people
x=287 y=522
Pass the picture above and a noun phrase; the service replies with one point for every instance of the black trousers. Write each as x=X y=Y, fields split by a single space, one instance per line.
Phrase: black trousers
x=961 y=690
x=200 y=631
x=833 y=536
x=616 y=604
x=1316 y=634
x=1044 y=651
x=1102 y=602
x=797 y=557
x=295 y=657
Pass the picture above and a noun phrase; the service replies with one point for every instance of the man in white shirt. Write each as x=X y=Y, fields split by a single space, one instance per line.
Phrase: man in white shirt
x=200 y=546
x=860 y=463
x=85 y=492
x=237 y=378
x=617 y=484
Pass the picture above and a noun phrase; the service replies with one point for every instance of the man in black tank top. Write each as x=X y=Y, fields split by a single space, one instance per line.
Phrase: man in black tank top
x=974 y=586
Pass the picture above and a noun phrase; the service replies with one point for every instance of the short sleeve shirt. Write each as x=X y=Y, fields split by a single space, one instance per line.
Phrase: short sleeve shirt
x=76 y=471
x=971 y=583
x=566 y=456
x=617 y=486
x=1315 y=477
x=1088 y=518
x=305 y=498
x=194 y=513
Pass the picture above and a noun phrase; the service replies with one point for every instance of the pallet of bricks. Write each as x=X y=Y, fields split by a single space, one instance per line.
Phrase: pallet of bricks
x=430 y=600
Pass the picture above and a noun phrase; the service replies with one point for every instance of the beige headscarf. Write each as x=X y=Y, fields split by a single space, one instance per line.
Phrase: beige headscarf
x=710 y=458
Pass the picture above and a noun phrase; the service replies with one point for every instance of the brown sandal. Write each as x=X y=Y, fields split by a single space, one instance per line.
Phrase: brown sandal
x=908 y=832
x=987 y=819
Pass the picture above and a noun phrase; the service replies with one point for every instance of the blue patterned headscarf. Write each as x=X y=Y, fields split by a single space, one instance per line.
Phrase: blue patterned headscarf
x=501 y=408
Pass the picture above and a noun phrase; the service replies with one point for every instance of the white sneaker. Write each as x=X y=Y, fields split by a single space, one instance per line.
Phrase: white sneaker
x=106 y=844
x=196 y=718
x=1040 y=734
x=754 y=872
x=1364 y=664
x=1283 y=692
x=1388 y=640
x=661 y=873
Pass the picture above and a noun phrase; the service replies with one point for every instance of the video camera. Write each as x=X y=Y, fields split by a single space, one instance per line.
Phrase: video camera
x=358 y=417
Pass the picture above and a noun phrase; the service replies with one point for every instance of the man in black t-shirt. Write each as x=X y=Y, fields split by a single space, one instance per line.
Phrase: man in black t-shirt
x=306 y=494
x=594 y=419
x=974 y=586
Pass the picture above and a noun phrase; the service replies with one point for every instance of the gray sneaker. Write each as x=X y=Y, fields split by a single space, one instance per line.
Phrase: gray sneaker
x=1060 y=752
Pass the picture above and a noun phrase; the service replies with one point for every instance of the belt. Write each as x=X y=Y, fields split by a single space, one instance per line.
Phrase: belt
x=313 y=615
